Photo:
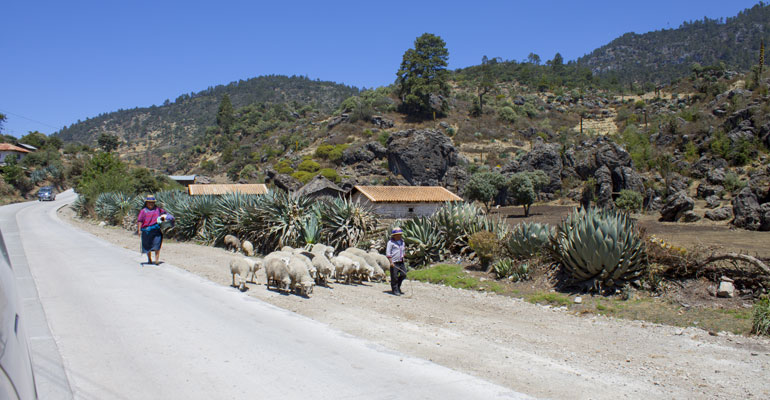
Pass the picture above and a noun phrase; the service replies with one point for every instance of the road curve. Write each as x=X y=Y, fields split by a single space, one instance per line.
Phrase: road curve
x=126 y=331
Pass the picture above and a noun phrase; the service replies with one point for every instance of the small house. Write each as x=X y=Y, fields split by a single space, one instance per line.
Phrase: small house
x=403 y=201
x=320 y=188
x=218 y=190
x=9 y=150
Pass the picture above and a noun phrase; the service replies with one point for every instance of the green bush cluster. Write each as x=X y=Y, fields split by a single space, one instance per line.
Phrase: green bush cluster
x=331 y=152
x=629 y=200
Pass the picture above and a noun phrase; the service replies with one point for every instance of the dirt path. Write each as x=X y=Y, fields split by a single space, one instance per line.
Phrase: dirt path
x=537 y=350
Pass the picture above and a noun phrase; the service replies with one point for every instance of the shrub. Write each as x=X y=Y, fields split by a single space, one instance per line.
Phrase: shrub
x=640 y=104
x=309 y=166
x=629 y=200
x=484 y=187
x=524 y=187
x=330 y=174
x=330 y=152
x=283 y=167
x=506 y=114
x=486 y=245
x=208 y=166
x=104 y=173
x=761 y=319
x=303 y=176
x=733 y=183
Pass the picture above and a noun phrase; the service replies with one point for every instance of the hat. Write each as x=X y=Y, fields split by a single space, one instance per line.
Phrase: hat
x=396 y=231
x=149 y=198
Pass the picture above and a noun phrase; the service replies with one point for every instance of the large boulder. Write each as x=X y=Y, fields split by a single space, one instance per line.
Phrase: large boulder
x=626 y=178
x=705 y=190
x=720 y=214
x=705 y=164
x=422 y=157
x=713 y=202
x=746 y=210
x=545 y=157
x=676 y=205
x=589 y=156
x=604 y=187
x=716 y=176
x=377 y=149
x=357 y=154
x=284 y=182
x=764 y=217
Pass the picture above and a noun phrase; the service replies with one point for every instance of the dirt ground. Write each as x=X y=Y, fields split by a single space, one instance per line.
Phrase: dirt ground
x=539 y=350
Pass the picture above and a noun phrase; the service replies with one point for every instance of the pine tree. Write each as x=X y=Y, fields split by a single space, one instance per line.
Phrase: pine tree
x=225 y=115
x=422 y=78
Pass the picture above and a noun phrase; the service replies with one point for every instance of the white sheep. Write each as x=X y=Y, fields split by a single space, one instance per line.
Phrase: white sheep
x=232 y=243
x=324 y=268
x=287 y=249
x=364 y=270
x=327 y=251
x=243 y=268
x=370 y=260
x=299 y=276
x=247 y=248
x=344 y=268
x=382 y=262
x=277 y=272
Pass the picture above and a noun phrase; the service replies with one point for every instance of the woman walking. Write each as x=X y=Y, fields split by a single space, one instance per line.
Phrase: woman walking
x=148 y=229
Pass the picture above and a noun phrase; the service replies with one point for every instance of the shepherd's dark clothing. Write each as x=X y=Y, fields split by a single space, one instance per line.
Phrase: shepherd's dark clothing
x=397 y=275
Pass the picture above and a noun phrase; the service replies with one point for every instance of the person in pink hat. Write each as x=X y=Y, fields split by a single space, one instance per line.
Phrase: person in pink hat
x=395 y=253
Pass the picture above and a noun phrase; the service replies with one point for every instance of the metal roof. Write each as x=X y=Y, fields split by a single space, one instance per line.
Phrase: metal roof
x=10 y=147
x=259 y=188
x=182 y=177
x=407 y=194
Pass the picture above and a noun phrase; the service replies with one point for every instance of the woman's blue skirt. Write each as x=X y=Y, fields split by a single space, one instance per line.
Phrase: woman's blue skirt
x=152 y=238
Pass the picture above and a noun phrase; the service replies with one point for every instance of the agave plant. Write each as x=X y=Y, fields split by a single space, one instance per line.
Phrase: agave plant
x=424 y=241
x=311 y=228
x=231 y=209
x=194 y=217
x=114 y=207
x=275 y=220
x=346 y=223
x=528 y=239
x=454 y=219
x=600 y=249
x=80 y=206
x=508 y=269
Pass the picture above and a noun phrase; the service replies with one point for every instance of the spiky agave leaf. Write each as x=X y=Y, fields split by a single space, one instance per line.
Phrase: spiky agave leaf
x=528 y=239
x=275 y=220
x=453 y=221
x=231 y=208
x=194 y=217
x=600 y=249
x=80 y=206
x=346 y=223
x=424 y=241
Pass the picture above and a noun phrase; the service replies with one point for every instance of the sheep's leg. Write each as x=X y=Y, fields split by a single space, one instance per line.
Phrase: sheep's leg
x=233 y=285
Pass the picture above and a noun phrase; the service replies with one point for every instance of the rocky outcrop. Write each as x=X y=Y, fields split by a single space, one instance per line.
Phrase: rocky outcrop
x=720 y=214
x=282 y=181
x=585 y=161
x=382 y=122
x=705 y=164
x=746 y=210
x=625 y=178
x=545 y=157
x=422 y=157
x=676 y=205
x=377 y=149
x=713 y=202
x=705 y=190
x=690 y=216
x=357 y=154
x=604 y=187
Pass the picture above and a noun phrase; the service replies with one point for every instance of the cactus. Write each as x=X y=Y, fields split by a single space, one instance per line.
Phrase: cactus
x=528 y=239
x=600 y=249
x=508 y=269
x=424 y=241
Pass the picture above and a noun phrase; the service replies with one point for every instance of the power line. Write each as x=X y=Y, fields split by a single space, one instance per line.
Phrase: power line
x=28 y=119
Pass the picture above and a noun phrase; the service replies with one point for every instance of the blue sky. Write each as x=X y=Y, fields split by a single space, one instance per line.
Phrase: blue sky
x=61 y=61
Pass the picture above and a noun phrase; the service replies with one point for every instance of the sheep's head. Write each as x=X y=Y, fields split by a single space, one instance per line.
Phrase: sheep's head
x=307 y=286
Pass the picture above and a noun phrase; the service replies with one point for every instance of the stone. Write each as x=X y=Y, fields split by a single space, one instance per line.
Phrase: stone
x=377 y=149
x=422 y=157
x=543 y=156
x=746 y=210
x=578 y=300
x=202 y=179
x=706 y=190
x=337 y=120
x=677 y=183
x=713 y=202
x=357 y=154
x=519 y=101
x=284 y=182
x=690 y=216
x=604 y=187
x=726 y=289
x=652 y=201
x=676 y=205
x=720 y=214
x=102 y=224
x=764 y=217
x=626 y=178
x=381 y=122
x=716 y=176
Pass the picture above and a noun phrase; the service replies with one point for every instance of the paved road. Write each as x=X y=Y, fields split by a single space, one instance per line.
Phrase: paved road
x=130 y=332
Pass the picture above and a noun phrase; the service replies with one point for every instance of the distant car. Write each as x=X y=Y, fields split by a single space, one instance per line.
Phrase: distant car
x=46 y=194
x=17 y=381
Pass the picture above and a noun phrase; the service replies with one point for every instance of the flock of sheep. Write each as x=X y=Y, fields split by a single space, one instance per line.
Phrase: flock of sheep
x=299 y=270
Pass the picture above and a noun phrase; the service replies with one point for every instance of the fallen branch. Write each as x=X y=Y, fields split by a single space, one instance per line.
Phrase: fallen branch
x=735 y=257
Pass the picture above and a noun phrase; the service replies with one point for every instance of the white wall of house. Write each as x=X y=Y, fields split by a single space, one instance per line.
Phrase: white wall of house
x=16 y=154
x=399 y=210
